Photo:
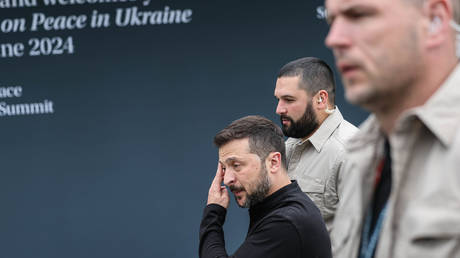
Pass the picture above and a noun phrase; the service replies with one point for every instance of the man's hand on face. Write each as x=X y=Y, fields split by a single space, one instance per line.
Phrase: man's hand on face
x=218 y=193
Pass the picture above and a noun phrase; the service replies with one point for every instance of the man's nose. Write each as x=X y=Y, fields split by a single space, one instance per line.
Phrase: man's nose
x=280 y=108
x=229 y=178
x=338 y=36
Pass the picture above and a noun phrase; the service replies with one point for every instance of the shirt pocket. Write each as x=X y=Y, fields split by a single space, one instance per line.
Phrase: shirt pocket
x=432 y=233
x=314 y=188
x=311 y=185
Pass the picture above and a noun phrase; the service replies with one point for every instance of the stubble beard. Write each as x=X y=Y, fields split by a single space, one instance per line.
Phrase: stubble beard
x=261 y=189
x=364 y=97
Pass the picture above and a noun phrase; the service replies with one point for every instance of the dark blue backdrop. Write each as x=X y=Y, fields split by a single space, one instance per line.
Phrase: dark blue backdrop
x=123 y=165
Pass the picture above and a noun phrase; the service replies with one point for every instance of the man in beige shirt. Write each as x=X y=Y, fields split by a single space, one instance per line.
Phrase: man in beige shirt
x=305 y=90
x=401 y=197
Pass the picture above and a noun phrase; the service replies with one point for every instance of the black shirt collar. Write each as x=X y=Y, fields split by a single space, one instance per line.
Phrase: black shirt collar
x=272 y=202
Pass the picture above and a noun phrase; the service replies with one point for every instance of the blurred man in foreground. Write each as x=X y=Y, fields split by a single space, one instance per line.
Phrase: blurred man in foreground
x=402 y=191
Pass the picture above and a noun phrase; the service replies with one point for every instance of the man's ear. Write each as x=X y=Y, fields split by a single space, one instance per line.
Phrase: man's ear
x=438 y=14
x=273 y=162
x=321 y=100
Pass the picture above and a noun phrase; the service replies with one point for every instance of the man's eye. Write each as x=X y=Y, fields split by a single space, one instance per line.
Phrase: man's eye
x=357 y=15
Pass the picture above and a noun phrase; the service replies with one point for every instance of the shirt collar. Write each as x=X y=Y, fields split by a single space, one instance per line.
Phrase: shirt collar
x=325 y=130
x=441 y=113
x=273 y=201
x=369 y=133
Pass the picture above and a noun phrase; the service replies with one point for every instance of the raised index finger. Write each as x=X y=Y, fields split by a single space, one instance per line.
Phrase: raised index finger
x=219 y=175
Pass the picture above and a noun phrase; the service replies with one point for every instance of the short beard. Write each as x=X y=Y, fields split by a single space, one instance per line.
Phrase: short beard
x=262 y=187
x=305 y=126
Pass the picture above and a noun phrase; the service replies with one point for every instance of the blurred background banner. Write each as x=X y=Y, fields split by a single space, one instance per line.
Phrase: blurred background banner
x=108 y=109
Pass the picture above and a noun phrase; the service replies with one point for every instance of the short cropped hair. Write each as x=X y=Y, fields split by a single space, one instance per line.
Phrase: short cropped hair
x=456 y=8
x=315 y=75
x=263 y=135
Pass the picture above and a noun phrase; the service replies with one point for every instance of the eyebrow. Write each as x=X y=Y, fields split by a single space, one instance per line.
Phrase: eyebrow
x=350 y=10
x=227 y=161
x=284 y=96
x=231 y=159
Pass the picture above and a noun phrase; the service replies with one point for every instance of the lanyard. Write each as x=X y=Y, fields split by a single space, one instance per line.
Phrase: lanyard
x=368 y=245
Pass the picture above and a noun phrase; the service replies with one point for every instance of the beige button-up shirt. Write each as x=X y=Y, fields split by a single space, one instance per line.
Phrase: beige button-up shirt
x=316 y=162
x=423 y=210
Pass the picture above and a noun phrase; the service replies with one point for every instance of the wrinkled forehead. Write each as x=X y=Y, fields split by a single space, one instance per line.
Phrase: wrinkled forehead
x=236 y=150
x=237 y=147
x=353 y=8
x=334 y=5
x=340 y=5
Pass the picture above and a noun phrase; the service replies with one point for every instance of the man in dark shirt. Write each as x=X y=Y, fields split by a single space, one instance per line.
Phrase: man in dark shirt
x=284 y=222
